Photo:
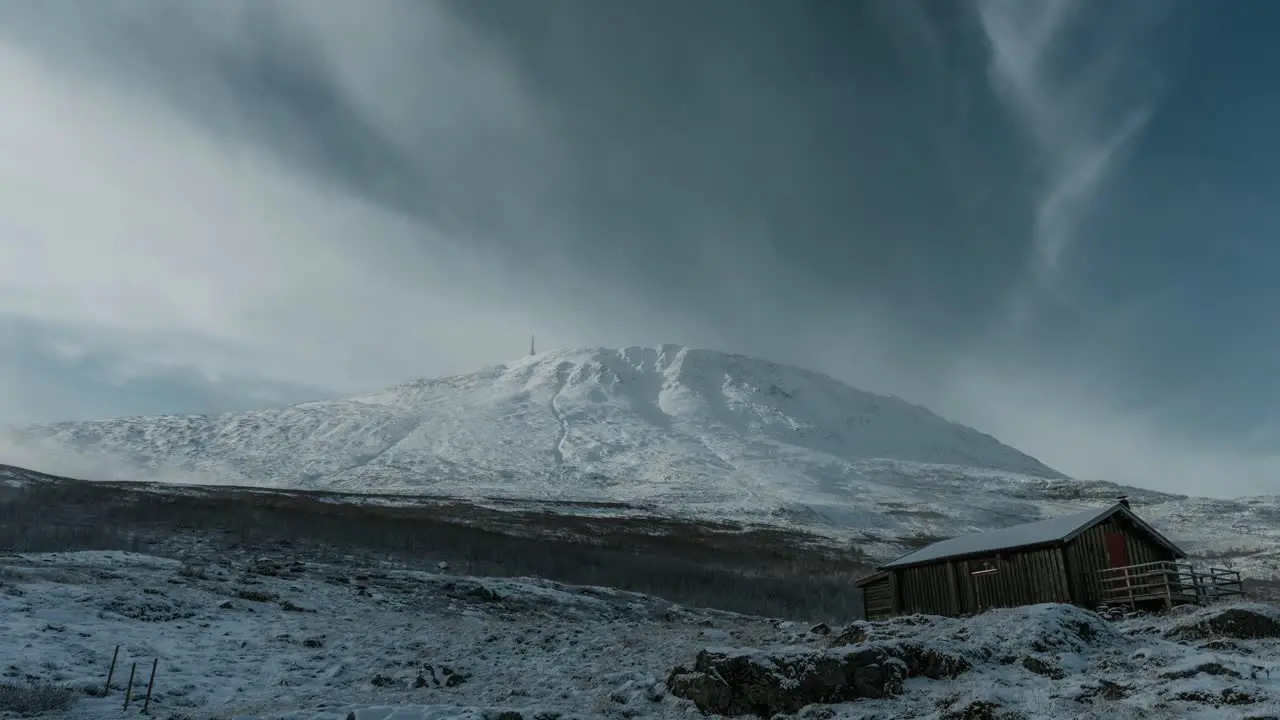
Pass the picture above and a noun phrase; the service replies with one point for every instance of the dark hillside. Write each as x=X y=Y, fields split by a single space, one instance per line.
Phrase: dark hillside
x=772 y=572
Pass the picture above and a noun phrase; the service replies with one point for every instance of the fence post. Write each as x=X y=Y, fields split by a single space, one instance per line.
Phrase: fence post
x=128 y=691
x=147 y=704
x=111 y=671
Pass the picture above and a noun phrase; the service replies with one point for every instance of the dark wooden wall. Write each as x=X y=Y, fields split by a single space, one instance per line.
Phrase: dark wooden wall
x=925 y=589
x=1022 y=577
x=1087 y=554
x=877 y=598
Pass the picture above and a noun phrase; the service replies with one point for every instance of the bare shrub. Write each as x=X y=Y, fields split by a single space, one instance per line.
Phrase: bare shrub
x=35 y=699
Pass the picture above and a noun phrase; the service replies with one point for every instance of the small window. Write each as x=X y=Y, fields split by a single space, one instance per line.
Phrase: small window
x=983 y=567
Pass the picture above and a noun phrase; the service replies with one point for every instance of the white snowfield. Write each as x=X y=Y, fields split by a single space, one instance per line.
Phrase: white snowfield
x=670 y=429
x=285 y=640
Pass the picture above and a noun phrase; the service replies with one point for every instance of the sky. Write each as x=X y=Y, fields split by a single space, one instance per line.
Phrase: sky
x=1048 y=220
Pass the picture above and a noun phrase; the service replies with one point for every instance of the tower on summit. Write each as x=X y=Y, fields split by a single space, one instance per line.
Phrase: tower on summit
x=531 y=352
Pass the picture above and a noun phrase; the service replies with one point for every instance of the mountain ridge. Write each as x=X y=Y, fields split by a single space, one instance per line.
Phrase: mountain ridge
x=585 y=408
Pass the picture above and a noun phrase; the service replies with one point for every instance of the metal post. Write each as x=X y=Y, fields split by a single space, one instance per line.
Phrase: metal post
x=150 y=682
x=111 y=671
x=128 y=691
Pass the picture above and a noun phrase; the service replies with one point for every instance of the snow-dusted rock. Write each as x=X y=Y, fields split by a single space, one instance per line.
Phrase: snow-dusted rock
x=1241 y=622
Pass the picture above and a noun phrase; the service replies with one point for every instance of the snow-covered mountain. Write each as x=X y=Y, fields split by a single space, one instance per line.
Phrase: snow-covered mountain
x=671 y=429
x=636 y=423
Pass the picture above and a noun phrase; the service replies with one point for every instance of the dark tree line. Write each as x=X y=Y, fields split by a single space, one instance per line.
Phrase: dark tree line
x=776 y=573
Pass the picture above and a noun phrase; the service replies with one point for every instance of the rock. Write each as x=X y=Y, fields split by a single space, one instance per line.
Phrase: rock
x=453 y=678
x=1106 y=690
x=820 y=629
x=147 y=609
x=979 y=710
x=1238 y=623
x=289 y=606
x=420 y=682
x=484 y=594
x=442 y=565
x=381 y=680
x=853 y=634
x=227 y=605
x=313 y=642
x=928 y=662
x=1208 y=668
x=265 y=566
x=744 y=683
x=1223 y=645
x=1240 y=696
x=1040 y=666
x=255 y=595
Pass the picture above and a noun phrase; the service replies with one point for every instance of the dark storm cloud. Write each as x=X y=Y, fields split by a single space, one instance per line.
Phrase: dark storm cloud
x=712 y=155
x=793 y=145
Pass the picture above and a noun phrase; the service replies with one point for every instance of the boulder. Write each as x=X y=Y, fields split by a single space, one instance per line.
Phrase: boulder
x=764 y=683
x=853 y=634
x=1239 y=623
x=759 y=683
x=1040 y=666
x=1205 y=668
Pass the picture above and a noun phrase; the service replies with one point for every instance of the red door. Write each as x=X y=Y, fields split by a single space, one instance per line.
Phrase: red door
x=1117 y=554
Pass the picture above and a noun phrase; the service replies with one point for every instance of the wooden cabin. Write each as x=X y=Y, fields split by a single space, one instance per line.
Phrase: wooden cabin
x=1099 y=557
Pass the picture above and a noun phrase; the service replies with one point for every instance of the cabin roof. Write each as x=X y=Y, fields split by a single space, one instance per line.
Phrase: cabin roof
x=1041 y=532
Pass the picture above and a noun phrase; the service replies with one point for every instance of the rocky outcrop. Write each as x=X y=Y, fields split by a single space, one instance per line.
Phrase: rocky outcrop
x=752 y=682
x=762 y=683
x=1237 y=622
x=1062 y=651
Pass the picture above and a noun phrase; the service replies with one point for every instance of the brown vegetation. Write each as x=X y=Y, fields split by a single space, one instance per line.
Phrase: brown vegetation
x=773 y=572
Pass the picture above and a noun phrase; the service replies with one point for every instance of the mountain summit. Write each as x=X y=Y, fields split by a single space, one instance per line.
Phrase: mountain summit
x=640 y=424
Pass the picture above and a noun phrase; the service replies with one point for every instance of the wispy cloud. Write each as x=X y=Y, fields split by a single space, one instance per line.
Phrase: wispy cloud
x=178 y=221
x=1080 y=110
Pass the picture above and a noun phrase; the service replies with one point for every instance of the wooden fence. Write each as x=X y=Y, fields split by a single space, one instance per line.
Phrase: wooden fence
x=1169 y=583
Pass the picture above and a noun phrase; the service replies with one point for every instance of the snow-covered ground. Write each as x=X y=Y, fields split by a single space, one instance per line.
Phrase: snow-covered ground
x=229 y=643
x=301 y=641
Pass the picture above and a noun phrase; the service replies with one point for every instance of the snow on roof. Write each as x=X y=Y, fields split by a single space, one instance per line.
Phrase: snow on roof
x=1035 y=533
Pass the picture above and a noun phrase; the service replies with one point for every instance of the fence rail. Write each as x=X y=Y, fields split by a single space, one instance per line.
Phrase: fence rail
x=1173 y=583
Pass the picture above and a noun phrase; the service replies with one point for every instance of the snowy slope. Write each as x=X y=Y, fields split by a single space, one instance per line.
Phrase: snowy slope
x=670 y=423
x=282 y=639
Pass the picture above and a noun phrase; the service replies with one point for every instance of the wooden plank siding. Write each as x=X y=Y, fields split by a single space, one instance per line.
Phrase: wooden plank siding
x=877 y=600
x=950 y=588
x=1086 y=554
x=1023 y=577
x=925 y=589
